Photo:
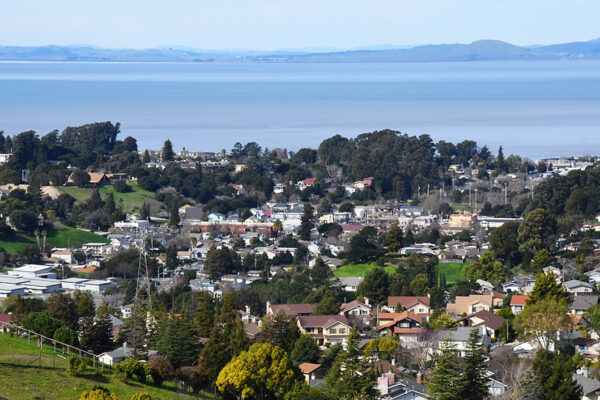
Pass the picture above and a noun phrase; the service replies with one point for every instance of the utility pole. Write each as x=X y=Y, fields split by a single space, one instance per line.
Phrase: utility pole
x=428 y=190
x=505 y=193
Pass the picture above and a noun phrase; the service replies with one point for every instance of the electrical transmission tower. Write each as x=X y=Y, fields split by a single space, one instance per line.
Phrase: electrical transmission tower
x=142 y=304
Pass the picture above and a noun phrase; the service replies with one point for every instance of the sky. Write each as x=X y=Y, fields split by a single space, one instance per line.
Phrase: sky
x=277 y=24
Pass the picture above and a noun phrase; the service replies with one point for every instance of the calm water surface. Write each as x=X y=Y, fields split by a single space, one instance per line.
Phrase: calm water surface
x=536 y=109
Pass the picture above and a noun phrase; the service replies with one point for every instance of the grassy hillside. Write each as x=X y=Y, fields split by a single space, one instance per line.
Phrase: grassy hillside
x=16 y=243
x=23 y=378
x=452 y=271
x=131 y=201
x=359 y=270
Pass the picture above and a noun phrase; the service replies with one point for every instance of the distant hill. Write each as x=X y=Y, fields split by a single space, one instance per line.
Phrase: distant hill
x=480 y=50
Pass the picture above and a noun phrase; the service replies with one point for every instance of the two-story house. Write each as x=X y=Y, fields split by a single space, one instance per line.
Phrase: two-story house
x=419 y=305
x=517 y=303
x=405 y=325
x=325 y=329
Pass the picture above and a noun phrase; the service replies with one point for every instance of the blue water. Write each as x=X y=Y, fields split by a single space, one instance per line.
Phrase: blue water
x=538 y=109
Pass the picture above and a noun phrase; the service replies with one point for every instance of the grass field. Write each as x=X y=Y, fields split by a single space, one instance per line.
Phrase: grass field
x=22 y=378
x=452 y=271
x=131 y=201
x=56 y=238
x=359 y=270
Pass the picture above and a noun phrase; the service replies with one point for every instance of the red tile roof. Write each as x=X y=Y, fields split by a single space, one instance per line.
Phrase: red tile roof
x=518 y=299
x=307 y=368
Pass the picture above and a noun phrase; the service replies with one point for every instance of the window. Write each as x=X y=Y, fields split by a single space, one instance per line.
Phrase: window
x=421 y=310
x=333 y=331
x=404 y=325
x=342 y=331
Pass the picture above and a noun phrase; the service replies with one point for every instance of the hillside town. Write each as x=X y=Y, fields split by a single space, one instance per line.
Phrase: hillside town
x=473 y=280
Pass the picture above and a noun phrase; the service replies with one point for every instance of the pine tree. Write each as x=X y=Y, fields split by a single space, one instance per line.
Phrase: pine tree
x=500 y=162
x=146 y=157
x=444 y=383
x=474 y=381
x=306 y=222
x=167 y=151
x=205 y=314
x=394 y=239
x=174 y=216
x=213 y=357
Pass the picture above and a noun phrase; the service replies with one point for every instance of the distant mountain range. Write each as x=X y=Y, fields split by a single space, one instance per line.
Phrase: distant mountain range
x=482 y=50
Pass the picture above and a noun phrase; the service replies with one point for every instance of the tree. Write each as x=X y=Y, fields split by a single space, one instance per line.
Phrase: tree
x=343 y=380
x=62 y=307
x=24 y=220
x=220 y=261
x=503 y=241
x=486 y=268
x=551 y=378
x=174 y=216
x=280 y=330
x=541 y=260
x=96 y=333
x=177 y=341
x=167 y=153
x=500 y=164
x=66 y=335
x=306 y=222
x=328 y=305
x=536 y=232
x=364 y=246
x=419 y=285
x=546 y=287
x=474 y=381
x=440 y=320
x=213 y=356
x=42 y=323
x=84 y=304
x=444 y=383
x=80 y=177
x=320 y=273
x=146 y=157
x=172 y=257
x=375 y=286
x=394 y=239
x=262 y=372
x=145 y=211
x=305 y=350
x=592 y=314
x=542 y=319
x=204 y=315
x=381 y=348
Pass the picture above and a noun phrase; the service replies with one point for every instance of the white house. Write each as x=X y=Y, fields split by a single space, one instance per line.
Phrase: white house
x=458 y=338
x=576 y=287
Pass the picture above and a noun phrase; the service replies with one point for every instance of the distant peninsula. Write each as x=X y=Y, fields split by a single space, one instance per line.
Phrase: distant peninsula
x=482 y=50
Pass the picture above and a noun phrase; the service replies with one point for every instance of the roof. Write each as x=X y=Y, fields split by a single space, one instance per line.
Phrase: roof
x=460 y=334
x=574 y=283
x=322 y=321
x=307 y=368
x=518 y=299
x=588 y=385
x=490 y=319
x=407 y=301
x=354 y=303
x=96 y=177
x=350 y=280
x=393 y=318
x=293 y=309
x=584 y=302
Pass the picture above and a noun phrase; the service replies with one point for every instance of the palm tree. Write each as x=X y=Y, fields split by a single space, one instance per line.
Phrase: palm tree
x=44 y=234
x=277 y=227
x=37 y=236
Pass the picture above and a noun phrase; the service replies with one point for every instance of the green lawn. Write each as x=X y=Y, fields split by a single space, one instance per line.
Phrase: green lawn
x=16 y=243
x=130 y=201
x=22 y=378
x=359 y=270
x=452 y=271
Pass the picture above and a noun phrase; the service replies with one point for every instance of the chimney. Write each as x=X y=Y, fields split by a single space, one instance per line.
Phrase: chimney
x=247 y=309
x=382 y=385
x=268 y=310
x=125 y=345
x=419 y=377
x=366 y=300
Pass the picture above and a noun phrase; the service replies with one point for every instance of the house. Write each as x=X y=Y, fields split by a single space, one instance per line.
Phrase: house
x=116 y=356
x=419 y=305
x=466 y=305
x=587 y=347
x=126 y=310
x=311 y=373
x=65 y=255
x=487 y=319
x=325 y=329
x=291 y=310
x=517 y=303
x=594 y=276
x=96 y=179
x=350 y=283
x=485 y=285
x=590 y=387
x=458 y=338
x=582 y=303
x=33 y=271
x=357 y=313
x=404 y=389
x=577 y=288
x=405 y=325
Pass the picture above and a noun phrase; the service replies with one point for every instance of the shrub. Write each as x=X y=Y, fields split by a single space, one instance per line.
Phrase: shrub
x=121 y=187
x=98 y=393
x=126 y=370
x=141 y=396
x=75 y=365
x=192 y=377
x=160 y=368
x=66 y=335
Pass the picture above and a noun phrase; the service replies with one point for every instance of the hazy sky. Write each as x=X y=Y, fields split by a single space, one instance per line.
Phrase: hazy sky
x=272 y=24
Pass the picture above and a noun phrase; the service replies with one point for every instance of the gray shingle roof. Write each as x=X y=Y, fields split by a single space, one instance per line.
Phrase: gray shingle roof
x=584 y=302
x=588 y=385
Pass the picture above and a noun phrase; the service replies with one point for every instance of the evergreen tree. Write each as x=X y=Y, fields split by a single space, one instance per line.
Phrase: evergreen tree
x=375 y=286
x=320 y=274
x=551 y=378
x=146 y=157
x=145 y=211
x=409 y=238
x=178 y=341
x=172 y=257
x=109 y=203
x=445 y=381
x=213 y=356
x=280 y=330
x=174 y=216
x=500 y=162
x=205 y=314
x=328 y=305
x=474 y=381
x=167 y=151
x=95 y=202
x=546 y=288
x=393 y=239
x=305 y=350
x=96 y=333
x=306 y=222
